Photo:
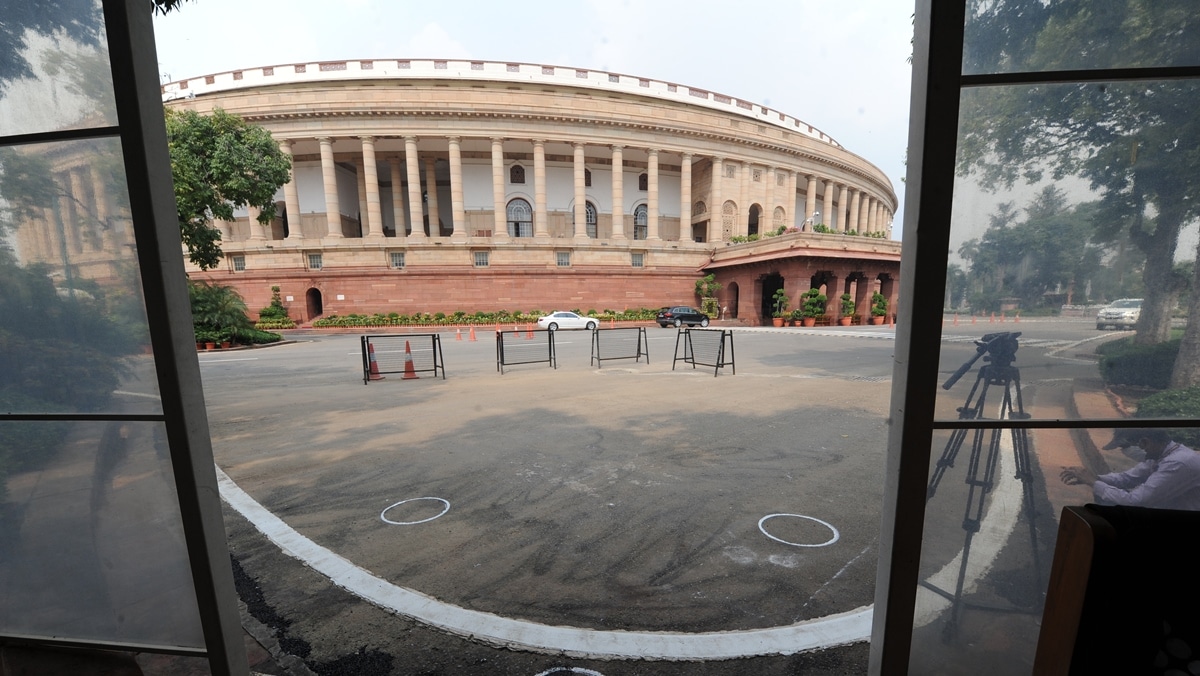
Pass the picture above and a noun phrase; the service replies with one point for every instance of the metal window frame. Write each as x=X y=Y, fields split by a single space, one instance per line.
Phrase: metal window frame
x=937 y=84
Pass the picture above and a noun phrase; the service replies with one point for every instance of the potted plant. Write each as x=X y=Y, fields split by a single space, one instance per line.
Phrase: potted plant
x=847 y=317
x=706 y=289
x=780 y=305
x=797 y=317
x=879 y=308
x=813 y=304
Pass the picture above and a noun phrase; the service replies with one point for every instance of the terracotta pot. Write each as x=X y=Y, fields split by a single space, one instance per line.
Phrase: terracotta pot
x=845 y=321
x=225 y=345
x=876 y=320
x=810 y=321
x=777 y=321
x=210 y=346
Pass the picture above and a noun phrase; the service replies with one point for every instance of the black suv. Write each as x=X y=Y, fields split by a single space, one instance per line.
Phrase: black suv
x=681 y=314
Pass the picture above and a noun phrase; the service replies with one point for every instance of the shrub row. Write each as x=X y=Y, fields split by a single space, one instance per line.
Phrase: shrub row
x=460 y=317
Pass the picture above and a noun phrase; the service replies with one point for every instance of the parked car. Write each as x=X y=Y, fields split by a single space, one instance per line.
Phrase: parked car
x=1120 y=314
x=567 y=320
x=679 y=315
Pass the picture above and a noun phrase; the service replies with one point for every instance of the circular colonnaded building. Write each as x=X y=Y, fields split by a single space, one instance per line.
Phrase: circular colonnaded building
x=446 y=185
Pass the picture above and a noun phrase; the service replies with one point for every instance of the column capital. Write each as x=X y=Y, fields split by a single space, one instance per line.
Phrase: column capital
x=497 y=139
x=367 y=139
x=617 y=146
x=286 y=145
x=686 y=156
x=577 y=144
x=410 y=139
x=325 y=140
x=538 y=143
x=454 y=139
x=653 y=152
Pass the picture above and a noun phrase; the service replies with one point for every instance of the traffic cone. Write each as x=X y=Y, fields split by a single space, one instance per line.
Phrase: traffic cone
x=1001 y=317
x=956 y=319
x=1017 y=318
x=529 y=331
x=972 y=318
x=374 y=373
x=472 y=333
x=992 y=319
x=891 y=321
x=458 y=334
x=409 y=371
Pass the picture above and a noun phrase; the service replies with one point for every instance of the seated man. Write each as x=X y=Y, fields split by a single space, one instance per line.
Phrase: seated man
x=1169 y=477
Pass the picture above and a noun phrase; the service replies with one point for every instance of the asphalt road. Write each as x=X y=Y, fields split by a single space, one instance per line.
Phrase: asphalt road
x=634 y=497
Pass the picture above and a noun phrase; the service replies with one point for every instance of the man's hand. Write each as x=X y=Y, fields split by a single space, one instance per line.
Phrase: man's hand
x=1075 y=476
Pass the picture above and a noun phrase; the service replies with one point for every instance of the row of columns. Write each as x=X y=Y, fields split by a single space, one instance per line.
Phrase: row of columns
x=866 y=213
x=82 y=207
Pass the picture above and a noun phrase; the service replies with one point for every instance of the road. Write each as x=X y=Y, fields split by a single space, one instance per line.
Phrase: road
x=630 y=498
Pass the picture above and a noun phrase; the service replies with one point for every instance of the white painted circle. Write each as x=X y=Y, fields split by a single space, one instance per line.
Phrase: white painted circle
x=830 y=541
x=570 y=670
x=383 y=514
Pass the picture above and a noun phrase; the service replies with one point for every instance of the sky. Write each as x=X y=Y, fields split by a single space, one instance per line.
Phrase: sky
x=841 y=67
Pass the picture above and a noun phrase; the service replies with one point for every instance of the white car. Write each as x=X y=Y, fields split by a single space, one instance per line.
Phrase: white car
x=1120 y=314
x=567 y=320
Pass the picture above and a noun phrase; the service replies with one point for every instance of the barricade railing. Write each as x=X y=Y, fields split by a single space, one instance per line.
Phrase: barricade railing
x=705 y=347
x=623 y=343
x=524 y=347
x=408 y=354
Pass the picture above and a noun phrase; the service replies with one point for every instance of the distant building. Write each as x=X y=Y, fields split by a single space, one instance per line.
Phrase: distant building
x=426 y=186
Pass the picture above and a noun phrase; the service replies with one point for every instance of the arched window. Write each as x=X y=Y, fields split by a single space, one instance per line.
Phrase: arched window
x=780 y=219
x=728 y=214
x=587 y=178
x=640 y=219
x=643 y=182
x=699 y=208
x=516 y=174
x=752 y=223
x=590 y=210
x=520 y=218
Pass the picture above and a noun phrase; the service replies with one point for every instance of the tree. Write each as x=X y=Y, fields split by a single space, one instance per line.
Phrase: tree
x=1133 y=141
x=219 y=163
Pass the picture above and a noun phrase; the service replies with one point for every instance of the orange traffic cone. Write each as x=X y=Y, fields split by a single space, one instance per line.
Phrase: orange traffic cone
x=374 y=372
x=458 y=334
x=1017 y=318
x=891 y=321
x=972 y=318
x=1001 y=317
x=409 y=371
x=472 y=334
x=956 y=319
x=529 y=331
x=992 y=319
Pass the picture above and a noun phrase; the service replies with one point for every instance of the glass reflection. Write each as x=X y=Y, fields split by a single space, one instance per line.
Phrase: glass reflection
x=91 y=536
x=1008 y=36
x=72 y=320
x=54 y=67
x=1072 y=197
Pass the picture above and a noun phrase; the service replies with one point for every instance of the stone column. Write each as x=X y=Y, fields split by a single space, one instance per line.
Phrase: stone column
x=769 y=216
x=371 y=178
x=864 y=211
x=333 y=211
x=652 y=197
x=742 y=221
x=83 y=221
x=540 y=226
x=580 y=192
x=257 y=229
x=618 y=193
x=685 y=198
x=108 y=232
x=855 y=197
x=226 y=229
x=500 y=216
x=827 y=205
x=844 y=208
x=790 y=205
x=431 y=192
x=716 y=218
x=415 y=212
x=291 y=194
x=457 y=209
x=810 y=201
x=361 y=183
x=397 y=197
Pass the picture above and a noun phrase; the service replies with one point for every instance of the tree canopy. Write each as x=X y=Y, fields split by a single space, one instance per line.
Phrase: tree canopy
x=1135 y=142
x=219 y=163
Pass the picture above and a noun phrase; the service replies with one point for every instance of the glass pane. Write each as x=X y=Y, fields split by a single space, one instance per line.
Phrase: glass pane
x=91 y=541
x=991 y=524
x=1073 y=239
x=1016 y=35
x=72 y=319
x=54 y=68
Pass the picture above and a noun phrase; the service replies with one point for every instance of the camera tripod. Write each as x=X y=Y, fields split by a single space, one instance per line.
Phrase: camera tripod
x=1000 y=350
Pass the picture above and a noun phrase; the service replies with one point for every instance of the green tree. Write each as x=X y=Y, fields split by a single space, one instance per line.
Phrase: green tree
x=1135 y=142
x=218 y=310
x=220 y=163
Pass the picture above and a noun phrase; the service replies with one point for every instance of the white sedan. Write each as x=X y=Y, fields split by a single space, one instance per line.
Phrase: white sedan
x=567 y=320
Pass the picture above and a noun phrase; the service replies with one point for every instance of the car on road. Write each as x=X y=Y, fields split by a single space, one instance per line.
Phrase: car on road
x=679 y=315
x=1120 y=314
x=567 y=320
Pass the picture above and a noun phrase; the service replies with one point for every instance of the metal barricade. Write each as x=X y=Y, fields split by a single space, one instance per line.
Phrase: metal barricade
x=406 y=354
x=622 y=343
x=705 y=347
x=524 y=347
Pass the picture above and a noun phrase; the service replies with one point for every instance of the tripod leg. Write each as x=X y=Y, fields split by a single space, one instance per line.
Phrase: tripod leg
x=968 y=411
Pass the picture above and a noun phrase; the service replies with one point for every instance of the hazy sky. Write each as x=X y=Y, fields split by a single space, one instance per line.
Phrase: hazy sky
x=841 y=67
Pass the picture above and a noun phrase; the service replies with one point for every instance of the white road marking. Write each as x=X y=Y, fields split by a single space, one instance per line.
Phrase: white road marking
x=833 y=630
